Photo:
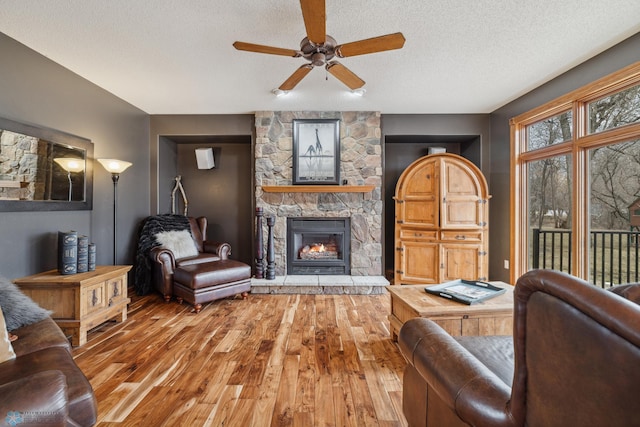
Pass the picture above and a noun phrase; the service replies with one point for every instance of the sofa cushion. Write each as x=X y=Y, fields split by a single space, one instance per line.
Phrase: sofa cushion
x=495 y=352
x=179 y=242
x=19 y=310
x=38 y=336
x=37 y=399
x=82 y=403
x=6 y=349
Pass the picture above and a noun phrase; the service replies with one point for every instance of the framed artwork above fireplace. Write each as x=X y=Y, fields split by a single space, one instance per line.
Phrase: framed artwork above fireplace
x=316 y=151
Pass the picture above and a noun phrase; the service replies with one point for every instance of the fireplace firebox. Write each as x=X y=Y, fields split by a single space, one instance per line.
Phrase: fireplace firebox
x=318 y=246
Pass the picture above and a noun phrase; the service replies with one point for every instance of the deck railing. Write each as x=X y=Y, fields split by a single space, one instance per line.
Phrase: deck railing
x=613 y=255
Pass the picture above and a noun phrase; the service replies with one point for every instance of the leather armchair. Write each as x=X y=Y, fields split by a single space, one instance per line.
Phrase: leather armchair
x=573 y=361
x=164 y=263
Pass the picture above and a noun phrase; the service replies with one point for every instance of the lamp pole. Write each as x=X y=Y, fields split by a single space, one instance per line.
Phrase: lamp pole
x=115 y=177
x=116 y=167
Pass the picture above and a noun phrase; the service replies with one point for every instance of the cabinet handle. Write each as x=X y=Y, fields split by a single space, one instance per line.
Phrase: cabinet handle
x=417 y=234
x=460 y=237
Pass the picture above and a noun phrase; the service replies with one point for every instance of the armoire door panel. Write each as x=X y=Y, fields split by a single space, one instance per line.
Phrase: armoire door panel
x=461 y=213
x=461 y=261
x=420 y=212
x=458 y=180
x=422 y=181
x=418 y=262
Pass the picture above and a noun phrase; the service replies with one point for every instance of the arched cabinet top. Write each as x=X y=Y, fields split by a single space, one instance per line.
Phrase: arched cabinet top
x=460 y=175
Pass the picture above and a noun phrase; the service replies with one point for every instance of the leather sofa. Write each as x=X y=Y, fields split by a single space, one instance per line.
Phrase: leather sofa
x=164 y=263
x=573 y=360
x=43 y=385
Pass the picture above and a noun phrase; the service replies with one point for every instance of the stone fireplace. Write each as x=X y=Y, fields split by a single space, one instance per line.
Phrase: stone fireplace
x=360 y=166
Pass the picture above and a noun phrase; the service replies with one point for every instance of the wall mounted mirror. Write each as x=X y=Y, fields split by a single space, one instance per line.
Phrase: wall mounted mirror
x=43 y=169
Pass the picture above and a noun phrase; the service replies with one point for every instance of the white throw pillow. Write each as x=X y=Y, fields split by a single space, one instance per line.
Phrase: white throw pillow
x=6 y=350
x=179 y=242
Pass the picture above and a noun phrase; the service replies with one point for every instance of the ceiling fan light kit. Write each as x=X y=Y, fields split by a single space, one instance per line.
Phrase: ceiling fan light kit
x=319 y=49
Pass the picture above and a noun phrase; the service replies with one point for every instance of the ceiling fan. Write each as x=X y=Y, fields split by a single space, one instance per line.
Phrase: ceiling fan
x=320 y=48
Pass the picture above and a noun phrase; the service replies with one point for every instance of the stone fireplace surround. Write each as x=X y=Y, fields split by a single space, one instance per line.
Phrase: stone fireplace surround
x=360 y=164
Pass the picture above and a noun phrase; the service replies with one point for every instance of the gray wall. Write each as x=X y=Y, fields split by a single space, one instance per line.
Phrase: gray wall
x=443 y=125
x=167 y=127
x=612 y=60
x=35 y=90
x=223 y=195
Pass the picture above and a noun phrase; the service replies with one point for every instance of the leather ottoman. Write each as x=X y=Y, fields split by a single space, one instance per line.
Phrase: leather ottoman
x=205 y=282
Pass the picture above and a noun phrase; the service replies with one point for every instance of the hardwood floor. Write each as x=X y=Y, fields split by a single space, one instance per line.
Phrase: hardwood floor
x=270 y=360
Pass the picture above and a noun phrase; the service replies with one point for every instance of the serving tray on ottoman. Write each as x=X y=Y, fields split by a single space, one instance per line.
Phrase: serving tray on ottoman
x=206 y=282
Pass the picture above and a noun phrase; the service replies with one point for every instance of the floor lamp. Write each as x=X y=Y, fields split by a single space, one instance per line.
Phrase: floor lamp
x=70 y=164
x=116 y=167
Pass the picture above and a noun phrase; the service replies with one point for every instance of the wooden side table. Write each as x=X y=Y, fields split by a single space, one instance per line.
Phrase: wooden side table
x=80 y=301
x=491 y=317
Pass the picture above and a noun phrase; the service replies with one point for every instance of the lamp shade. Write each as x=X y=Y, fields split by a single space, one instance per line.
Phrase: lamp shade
x=204 y=157
x=70 y=164
x=114 y=165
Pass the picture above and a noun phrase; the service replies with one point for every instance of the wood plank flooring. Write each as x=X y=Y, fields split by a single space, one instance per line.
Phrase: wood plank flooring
x=270 y=360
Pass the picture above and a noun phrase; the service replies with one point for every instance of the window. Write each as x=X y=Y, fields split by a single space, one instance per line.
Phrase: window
x=553 y=130
x=619 y=109
x=576 y=182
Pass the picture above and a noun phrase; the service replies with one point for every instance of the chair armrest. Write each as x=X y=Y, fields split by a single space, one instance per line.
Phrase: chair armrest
x=164 y=264
x=474 y=393
x=163 y=257
x=629 y=291
x=222 y=249
x=42 y=395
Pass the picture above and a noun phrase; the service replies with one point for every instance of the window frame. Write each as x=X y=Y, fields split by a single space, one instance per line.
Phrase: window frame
x=578 y=148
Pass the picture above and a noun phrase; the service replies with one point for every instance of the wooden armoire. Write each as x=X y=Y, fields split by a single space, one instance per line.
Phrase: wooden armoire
x=441 y=221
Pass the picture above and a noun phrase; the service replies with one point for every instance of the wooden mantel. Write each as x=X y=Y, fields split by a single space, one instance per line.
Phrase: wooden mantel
x=317 y=188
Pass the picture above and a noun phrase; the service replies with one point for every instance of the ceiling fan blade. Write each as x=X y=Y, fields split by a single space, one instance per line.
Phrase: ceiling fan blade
x=372 y=45
x=345 y=75
x=315 y=20
x=295 y=78
x=250 y=47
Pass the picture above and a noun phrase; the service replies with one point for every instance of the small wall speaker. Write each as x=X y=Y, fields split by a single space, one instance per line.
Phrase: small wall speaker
x=204 y=157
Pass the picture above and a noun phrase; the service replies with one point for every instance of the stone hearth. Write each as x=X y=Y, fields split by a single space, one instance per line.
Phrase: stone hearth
x=327 y=285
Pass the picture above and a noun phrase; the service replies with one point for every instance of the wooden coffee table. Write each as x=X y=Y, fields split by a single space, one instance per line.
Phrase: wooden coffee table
x=491 y=317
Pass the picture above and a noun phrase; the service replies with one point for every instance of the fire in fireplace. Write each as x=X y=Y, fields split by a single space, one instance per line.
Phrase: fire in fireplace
x=318 y=246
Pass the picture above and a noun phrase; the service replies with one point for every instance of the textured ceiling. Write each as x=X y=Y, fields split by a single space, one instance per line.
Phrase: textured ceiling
x=460 y=56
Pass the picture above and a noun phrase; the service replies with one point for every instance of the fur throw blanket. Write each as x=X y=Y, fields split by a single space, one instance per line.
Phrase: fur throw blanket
x=146 y=241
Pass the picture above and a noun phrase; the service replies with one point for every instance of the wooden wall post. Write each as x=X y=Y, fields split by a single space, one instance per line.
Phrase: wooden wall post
x=259 y=245
x=271 y=256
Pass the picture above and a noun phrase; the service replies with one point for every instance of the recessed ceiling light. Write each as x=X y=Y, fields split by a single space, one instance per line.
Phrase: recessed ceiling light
x=280 y=92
